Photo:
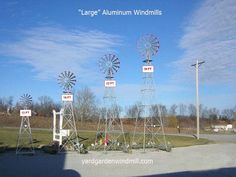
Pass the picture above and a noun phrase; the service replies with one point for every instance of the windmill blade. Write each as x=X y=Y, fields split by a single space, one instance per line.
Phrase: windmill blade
x=25 y=100
x=113 y=57
x=67 y=80
x=109 y=64
x=63 y=75
x=148 y=45
x=70 y=85
x=107 y=58
x=72 y=76
x=116 y=63
x=116 y=60
x=115 y=68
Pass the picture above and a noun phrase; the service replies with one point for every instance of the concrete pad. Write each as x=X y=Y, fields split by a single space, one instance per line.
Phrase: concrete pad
x=180 y=162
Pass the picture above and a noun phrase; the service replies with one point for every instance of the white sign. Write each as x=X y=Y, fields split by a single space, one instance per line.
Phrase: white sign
x=25 y=113
x=148 y=69
x=67 y=97
x=110 y=83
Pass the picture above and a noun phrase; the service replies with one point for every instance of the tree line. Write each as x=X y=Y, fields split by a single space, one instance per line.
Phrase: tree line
x=87 y=107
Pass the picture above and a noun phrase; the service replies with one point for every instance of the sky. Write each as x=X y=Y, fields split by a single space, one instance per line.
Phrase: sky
x=39 y=40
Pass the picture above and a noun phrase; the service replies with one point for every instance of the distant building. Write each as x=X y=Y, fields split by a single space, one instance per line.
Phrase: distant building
x=217 y=128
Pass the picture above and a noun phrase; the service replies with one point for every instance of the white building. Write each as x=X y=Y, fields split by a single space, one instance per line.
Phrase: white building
x=217 y=128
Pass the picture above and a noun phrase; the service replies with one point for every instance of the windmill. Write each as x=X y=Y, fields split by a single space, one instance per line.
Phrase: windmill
x=151 y=124
x=110 y=133
x=65 y=132
x=24 y=140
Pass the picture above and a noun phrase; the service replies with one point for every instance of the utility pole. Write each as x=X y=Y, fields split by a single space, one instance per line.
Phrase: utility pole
x=197 y=65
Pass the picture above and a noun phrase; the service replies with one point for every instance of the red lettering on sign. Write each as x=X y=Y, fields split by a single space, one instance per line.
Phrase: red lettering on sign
x=67 y=97
x=110 y=83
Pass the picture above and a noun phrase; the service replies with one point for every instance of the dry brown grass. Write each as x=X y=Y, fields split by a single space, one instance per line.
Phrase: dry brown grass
x=128 y=124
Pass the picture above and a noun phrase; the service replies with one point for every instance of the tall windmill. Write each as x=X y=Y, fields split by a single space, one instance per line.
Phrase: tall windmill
x=151 y=123
x=65 y=132
x=24 y=140
x=110 y=133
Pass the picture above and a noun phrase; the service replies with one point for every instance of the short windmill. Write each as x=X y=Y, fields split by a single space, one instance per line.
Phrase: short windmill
x=24 y=140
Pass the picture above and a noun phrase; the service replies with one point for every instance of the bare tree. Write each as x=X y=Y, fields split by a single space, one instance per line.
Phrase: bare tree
x=213 y=113
x=156 y=111
x=9 y=103
x=205 y=112
x=163 y=110
x=201 y=107
x=234 y=110
x=115 y=111
x=182 y=109
x=134 y=111
x=6 y=104
x=44 y=106
x=172 y=110
x=102 y=112
x=228 y=113
x=192 y=110
x=85 y=104
x=2 y=105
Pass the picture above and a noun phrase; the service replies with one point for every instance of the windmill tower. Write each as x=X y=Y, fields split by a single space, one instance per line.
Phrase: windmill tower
x=64 y=127
x=24 y=140
x=110 y=133
x=150 y=124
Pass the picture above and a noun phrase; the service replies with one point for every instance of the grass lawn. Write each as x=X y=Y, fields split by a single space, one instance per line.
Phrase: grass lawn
x=8 y=136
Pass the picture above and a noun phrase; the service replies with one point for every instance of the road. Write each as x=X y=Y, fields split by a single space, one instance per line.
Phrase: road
x=218 y=138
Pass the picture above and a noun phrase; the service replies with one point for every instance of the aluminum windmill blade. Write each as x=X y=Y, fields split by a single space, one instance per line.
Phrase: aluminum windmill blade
x=67 y=80
x=148 y=45
x=26 y=100
x=109 y=65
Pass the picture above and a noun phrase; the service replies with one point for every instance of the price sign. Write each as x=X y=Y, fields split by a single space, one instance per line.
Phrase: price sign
x=110 y=83
x=67 y=97
x=148 y=69
x=25 y=113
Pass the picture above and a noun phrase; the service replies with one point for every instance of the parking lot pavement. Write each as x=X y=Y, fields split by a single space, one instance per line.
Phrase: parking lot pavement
x=195 y=161
x=187 y=159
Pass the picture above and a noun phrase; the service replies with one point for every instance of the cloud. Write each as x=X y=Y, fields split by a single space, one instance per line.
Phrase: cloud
x=210 y=35
x=51 y=50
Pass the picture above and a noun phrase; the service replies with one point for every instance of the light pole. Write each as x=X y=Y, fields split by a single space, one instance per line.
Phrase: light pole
x=197 y=97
